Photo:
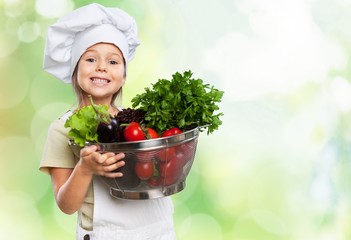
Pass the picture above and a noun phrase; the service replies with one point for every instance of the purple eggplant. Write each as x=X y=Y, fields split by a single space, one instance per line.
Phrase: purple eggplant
x=109 y=132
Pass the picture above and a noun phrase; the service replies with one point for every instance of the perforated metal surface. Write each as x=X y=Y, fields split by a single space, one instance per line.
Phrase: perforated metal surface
x=171 y=158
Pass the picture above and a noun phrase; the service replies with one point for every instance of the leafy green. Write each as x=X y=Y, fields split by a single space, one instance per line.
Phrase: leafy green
x=180 y=102
x=84 y=122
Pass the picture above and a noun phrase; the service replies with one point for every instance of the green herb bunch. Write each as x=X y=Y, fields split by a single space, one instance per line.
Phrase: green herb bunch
x=181 y=102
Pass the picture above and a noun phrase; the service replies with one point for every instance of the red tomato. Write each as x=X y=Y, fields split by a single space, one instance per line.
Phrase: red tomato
x=181 y=158
x=154 y=182
x=187 y=149
x=144 y=169
x=171 y=132
x=173 y=167
x=151 y=133
x=168 y=180
x=133 y=132
x=165 y=154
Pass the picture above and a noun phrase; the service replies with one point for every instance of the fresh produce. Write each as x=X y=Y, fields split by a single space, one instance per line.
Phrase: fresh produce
x=168 y=180
x=181 y=102
x=92 y=123
x=144 y=169
x=167 y=108
x=151 y=133
x=154 y=181
x=170 y=171
x=109 y=131
x=128 y=115
x=133 y=132
x=172 y=167
x=165 y=154
x=136 y=132
x=171 y=132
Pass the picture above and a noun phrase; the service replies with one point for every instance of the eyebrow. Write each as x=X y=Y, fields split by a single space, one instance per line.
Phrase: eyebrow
x=110 y=53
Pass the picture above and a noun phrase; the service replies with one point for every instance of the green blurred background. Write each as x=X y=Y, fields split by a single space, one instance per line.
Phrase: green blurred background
x=278 y=167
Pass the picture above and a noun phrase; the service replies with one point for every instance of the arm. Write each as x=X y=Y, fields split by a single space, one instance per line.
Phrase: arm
x=71 y=185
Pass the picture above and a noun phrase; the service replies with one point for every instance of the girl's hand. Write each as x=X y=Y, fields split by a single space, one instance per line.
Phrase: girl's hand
x=103 y=164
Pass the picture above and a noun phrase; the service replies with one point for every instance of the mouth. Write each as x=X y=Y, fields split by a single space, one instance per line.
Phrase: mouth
x=99 y=80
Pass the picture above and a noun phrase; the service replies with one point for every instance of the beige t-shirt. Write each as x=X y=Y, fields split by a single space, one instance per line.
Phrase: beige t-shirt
x=57 y=153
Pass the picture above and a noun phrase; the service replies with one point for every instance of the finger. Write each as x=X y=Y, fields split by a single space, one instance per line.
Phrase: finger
x=114 y=166
x=113 y=174
x=113 y=159
x=101 y=158
x=120 y=156
x=88 y=150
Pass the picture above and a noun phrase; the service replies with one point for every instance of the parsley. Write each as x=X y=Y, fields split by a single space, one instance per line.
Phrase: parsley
x=181 y=102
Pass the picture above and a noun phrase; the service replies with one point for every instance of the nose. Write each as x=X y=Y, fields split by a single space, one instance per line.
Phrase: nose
x=101 y=67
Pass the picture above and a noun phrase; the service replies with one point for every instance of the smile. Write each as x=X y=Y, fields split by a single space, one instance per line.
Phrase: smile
x=100 y=80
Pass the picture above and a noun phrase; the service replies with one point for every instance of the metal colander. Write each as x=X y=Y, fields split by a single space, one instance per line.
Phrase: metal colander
x=171 y=159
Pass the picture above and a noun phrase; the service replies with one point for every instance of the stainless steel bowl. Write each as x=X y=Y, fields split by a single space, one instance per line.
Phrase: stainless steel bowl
x=170 y=157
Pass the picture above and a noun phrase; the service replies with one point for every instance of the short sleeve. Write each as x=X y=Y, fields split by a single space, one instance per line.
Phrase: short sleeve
x=57 y=152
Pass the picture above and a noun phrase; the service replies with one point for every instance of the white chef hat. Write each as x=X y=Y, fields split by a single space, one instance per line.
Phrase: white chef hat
x=72 y=34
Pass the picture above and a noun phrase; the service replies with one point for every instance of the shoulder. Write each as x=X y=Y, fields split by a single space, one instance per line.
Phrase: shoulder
x=58 y=125
x=66 y=115
x=56 y=151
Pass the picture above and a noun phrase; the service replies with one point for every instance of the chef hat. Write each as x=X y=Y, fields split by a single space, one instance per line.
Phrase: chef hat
x=71 y=35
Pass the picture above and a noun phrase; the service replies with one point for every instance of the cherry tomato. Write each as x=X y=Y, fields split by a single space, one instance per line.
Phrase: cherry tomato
x=151 y=133
x=168 y=180
x=181 y=158
x=173 y=167
x=154 y=181
x=186 y=151
x=171 y=132
x=133 y=132
x=165 y=154
x=144 y=169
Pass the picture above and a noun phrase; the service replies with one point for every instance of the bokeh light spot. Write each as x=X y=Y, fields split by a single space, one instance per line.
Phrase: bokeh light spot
x=270 y=221
x=14 y=82
x=28 y=31
x=41 y=120
x=66 y=222
x=200 y=226
x=8 y=37
x=46 y=89
x=246 y=227
x=20 y=167
x=19 y=219
x=15 y=8
x=341 y=91
x=52 y=8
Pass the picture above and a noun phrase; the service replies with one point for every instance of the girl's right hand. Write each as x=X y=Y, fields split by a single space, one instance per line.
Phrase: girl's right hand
x=103 y=164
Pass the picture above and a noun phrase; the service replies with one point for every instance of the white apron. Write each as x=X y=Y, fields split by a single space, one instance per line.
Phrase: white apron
x=128 y=219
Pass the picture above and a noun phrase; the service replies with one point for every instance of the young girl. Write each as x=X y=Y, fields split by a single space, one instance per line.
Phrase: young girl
x=91 y=48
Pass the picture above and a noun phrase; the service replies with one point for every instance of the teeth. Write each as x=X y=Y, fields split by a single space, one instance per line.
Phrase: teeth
x=99 y=80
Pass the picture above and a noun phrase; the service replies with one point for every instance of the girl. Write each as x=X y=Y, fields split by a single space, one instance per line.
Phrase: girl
x=91 y=48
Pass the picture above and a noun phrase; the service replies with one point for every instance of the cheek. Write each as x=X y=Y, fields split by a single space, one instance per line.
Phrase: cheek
x=79 y=79
x=120 y=77
x=80 y=74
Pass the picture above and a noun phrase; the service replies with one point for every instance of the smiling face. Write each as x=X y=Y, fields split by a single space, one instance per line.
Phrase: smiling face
x=100 y=73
